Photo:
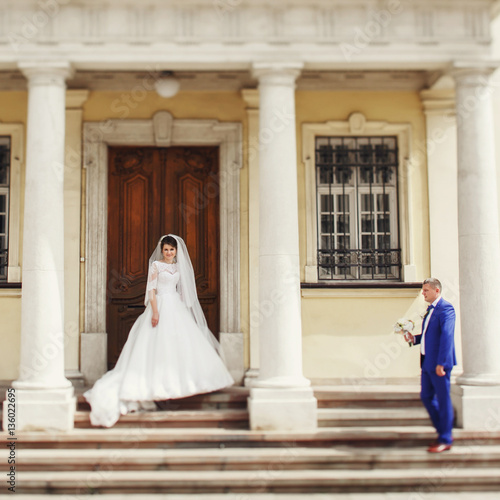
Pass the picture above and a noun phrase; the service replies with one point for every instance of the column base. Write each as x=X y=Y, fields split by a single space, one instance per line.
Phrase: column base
x=233 y=349
x=251 y=375
x=93 y=356
x=75 y=377
x=293 y=409
x=285 y=382
x=479 y=379
x=477 y=407
x=40 y=410
x=311 y=274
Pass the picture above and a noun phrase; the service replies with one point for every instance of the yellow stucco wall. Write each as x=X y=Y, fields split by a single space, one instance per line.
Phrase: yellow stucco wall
x=223 y=106
x=343 y=336
x=346 y=338
x=349 y=335
x=10 y=328
x=13 y=107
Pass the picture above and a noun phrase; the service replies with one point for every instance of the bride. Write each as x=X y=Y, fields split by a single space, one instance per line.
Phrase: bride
x=170 y=352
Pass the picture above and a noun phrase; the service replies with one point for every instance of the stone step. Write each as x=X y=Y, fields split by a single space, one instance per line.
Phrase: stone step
x=351 y=417
x=226 y=418
x=264 y=459
x=145 y=437
x=349 y=406
x=349 y=396
x=368 y=396
x=274 y=481
x=430 y=495
x=238 y=418
x=229 y=398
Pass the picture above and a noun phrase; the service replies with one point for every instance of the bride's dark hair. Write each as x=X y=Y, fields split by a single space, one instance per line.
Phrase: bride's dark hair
x=169 y=240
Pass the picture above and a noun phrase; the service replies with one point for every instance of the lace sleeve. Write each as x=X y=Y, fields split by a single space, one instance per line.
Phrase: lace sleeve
x=179 y=289
x=152 y=277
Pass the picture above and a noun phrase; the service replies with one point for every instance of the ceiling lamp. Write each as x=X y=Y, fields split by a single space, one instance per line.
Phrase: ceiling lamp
x=167 y=85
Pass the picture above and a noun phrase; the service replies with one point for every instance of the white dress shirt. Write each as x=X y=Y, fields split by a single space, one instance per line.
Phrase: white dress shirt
x=427 y=319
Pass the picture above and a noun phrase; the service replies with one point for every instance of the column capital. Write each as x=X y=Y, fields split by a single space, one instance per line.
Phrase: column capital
x=75 y=99
x=251 y=98
x=438 y=101
x=472 y=73
x=45 y=72
x=277 y=73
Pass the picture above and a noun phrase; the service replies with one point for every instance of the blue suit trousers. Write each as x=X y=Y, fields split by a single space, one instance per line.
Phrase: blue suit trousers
x=435 y=395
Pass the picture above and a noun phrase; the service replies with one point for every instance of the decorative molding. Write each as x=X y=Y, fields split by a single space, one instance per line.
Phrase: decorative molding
x=162 y=123
x=97 y=136
x=251 y=98
x=76 y=98
x=359 y=293
x=207 y=20
x=277 y=73
x=438 y=102
x=46 y=73
x=16 y=133
x=158 y=31
x=356 y=121
x=235 y=81
x=11 y=292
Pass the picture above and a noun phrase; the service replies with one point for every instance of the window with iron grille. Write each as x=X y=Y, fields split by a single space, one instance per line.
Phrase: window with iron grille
x=357 y=206
x=4 y=204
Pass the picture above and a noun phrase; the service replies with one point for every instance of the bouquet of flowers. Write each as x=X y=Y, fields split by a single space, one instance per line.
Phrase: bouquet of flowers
x=403 y=327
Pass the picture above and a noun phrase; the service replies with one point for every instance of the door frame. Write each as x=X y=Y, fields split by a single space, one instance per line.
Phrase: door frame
x=162 y=130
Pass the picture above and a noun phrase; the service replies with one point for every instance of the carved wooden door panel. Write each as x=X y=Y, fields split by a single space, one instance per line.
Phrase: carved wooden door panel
x=151 y=192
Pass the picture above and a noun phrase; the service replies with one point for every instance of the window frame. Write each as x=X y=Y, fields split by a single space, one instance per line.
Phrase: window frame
x=4 y=190
x=357 y=125
x=16 y=133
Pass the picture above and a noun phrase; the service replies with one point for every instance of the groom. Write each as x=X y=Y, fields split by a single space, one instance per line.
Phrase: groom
x=437 y=350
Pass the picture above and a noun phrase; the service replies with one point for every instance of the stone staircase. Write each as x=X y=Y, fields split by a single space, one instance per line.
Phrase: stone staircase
x=370 y=440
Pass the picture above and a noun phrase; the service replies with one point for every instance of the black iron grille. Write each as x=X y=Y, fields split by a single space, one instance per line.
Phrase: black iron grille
x=4 y=204
x=357 y=201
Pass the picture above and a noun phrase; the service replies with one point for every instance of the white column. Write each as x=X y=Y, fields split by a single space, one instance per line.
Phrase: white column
x=477 y=397
x=281 y=398
x=44 y=397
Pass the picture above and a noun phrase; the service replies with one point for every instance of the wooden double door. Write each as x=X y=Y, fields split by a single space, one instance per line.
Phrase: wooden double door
x=152 y=192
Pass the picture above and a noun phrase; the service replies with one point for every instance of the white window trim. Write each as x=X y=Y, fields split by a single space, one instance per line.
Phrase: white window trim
x=357 y=125
x=16 y=133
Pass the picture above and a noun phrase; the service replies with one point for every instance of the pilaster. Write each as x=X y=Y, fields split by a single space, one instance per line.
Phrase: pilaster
x=251 y=98
x=75 y=99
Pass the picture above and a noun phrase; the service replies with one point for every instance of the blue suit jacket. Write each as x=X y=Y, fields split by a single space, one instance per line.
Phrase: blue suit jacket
x=439 y=338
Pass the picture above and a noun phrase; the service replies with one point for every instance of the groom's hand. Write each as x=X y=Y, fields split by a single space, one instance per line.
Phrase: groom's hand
x=440 y=371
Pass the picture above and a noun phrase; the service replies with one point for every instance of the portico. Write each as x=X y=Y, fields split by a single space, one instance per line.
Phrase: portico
x=250 y=100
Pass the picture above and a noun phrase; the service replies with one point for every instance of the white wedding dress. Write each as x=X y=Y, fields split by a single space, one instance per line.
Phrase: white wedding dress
x=172 y=360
